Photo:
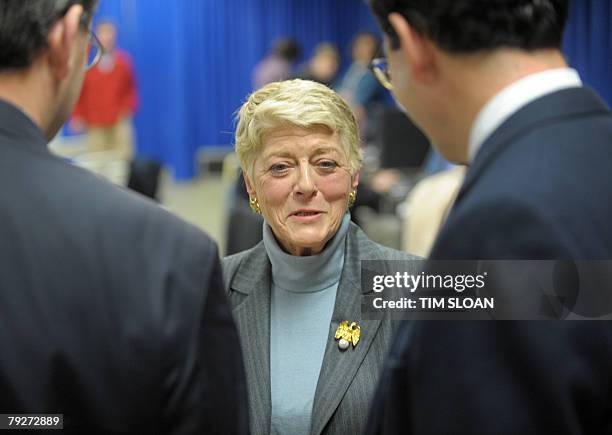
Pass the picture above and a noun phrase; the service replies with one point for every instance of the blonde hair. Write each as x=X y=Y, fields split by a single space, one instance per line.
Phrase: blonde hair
x=294 y=103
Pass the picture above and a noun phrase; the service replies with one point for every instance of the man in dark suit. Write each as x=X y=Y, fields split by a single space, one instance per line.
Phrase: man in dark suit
x=487 y=82
x=112 y=311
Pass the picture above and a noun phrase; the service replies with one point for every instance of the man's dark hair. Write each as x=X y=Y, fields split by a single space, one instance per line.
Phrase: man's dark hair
x=467 y=26
x=25 y=24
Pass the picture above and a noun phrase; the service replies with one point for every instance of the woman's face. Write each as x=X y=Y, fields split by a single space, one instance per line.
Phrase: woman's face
x=302 y=181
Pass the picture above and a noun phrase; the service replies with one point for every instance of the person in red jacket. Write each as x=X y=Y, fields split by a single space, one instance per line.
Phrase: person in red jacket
x=108 y=99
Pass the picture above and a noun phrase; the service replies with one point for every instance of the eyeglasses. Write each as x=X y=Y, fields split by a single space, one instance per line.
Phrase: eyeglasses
x=380 y=68
x=95 y=50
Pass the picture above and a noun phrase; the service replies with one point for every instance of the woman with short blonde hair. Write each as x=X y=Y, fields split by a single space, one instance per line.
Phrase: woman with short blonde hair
x=312 y=362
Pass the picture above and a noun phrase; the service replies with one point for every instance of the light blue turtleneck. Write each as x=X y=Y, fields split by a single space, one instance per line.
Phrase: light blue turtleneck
x=303 y=297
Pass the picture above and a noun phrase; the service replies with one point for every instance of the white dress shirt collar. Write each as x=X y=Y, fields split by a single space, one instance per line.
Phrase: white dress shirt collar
x=515 y=96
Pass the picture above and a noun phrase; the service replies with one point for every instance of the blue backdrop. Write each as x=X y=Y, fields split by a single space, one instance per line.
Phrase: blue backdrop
x=194 y=59
x=588 y=43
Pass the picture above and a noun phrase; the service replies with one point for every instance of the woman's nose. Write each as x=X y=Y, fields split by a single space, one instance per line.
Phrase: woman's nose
x=305 y=184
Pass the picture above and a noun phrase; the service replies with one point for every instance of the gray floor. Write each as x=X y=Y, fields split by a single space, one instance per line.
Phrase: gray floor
x=200 y=201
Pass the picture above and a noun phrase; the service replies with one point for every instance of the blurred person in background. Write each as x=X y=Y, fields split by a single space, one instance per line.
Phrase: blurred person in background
x=108 y=99
x=112 y=310
x=426 y=209
x=323 y=66
x=488 y=84
x=278 y=65
x=359 y=86
x=298 y=145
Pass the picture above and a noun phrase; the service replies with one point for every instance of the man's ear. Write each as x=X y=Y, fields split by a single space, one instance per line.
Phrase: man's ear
x=62 y=41
x=249 y=186
x=416 y=48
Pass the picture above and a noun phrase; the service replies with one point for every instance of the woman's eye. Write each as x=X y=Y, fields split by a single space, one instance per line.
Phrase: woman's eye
x=279 y=168
x=327 y=164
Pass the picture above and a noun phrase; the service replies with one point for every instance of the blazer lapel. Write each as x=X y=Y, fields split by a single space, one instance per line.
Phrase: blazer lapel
x=253 y=319
x=339 y=367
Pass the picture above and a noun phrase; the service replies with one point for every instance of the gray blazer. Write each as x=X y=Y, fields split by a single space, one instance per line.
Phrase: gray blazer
x=347 y=380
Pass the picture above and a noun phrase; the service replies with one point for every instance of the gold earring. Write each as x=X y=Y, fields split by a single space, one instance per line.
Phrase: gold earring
x=352 y=198
x=254 y=204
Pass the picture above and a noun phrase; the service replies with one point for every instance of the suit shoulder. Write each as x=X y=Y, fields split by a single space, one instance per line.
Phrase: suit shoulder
x=105 y=208
x=231 y=263
x=501 y=228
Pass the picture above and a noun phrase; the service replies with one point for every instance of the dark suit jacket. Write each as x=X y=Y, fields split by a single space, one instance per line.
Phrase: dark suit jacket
x=347 y=380
x=540 y=188
x=112 y=310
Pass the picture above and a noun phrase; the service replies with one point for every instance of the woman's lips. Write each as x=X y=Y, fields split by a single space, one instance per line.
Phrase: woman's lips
x=306 y=215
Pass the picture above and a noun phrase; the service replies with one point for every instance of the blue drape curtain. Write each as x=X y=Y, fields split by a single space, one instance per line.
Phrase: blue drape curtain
x=194 y=59
x=588 y=43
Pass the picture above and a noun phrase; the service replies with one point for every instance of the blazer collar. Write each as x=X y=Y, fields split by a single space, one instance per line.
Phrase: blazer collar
x=340 y=367
x=254 y=271
x=16 y=125
x=565 y=103
x=253 y=319
x=253 y=316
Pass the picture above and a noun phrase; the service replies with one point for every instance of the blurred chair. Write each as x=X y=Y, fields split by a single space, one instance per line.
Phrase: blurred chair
x=244 y=227
x=402 y=145
x=144 y=177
